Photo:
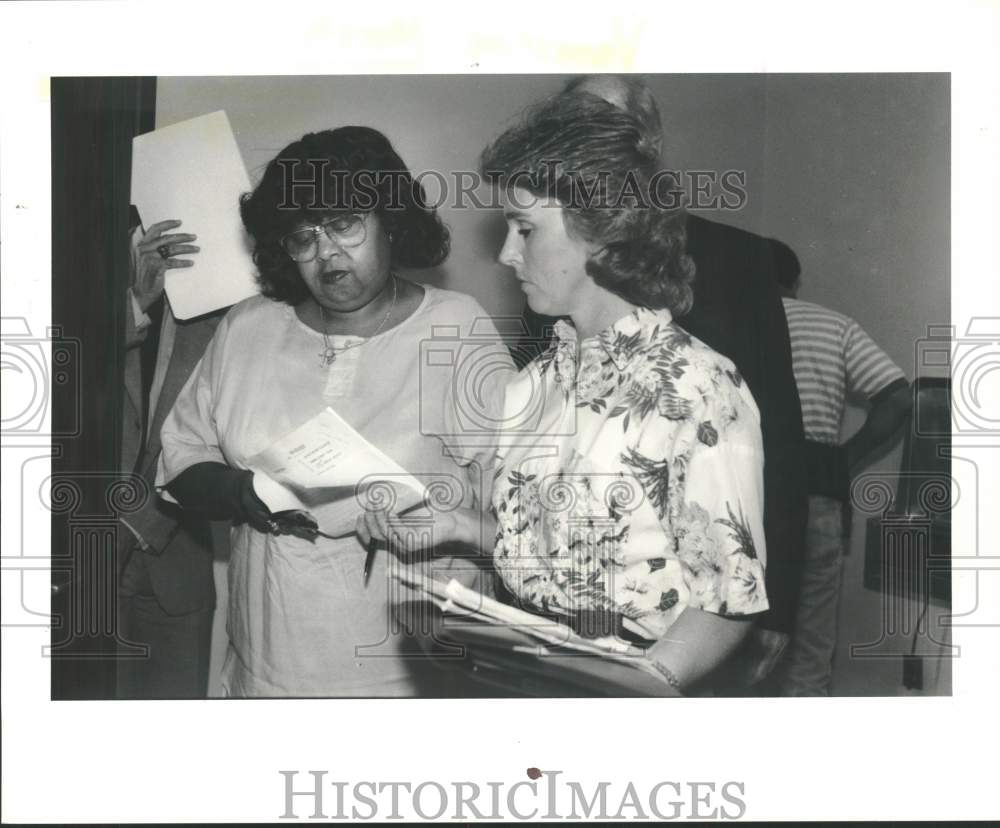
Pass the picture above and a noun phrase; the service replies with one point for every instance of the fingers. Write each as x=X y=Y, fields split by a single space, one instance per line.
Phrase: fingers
x=153 y=261
x=172 y=239
x=364 y=533
x=169 y=263
x=370 y=530
x=381 y=521
x=375 y=525
x=174 y=244
x=176 y=250
x=378 y=527
x=152 y=255
x=155 y=230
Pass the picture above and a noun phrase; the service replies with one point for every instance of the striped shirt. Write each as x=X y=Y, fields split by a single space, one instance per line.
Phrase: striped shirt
x=831 y=357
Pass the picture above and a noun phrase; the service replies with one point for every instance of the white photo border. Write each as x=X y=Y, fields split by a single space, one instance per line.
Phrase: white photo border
x=917 y=758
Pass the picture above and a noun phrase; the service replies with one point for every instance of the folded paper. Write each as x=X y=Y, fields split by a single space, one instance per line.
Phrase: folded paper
x=327 y=468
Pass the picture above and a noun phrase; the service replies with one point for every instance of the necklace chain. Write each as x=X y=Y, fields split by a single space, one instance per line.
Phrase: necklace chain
x=329 y=354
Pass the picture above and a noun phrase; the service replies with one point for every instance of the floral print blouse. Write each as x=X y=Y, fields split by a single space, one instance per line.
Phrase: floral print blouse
x=632 y=482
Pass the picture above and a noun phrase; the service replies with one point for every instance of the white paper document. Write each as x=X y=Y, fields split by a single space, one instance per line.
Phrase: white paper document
x=327 y=468
x=457 y=599
x=506 y=637
x=193 y=171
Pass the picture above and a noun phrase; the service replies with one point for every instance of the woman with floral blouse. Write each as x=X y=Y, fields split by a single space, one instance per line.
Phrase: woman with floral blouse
x=629 y=473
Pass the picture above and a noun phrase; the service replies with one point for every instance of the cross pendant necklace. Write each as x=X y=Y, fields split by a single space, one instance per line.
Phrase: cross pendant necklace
x=329 y=354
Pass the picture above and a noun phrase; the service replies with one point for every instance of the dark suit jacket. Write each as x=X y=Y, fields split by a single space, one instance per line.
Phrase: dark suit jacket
x=132 y=405
x=179 y=558
x=738 y=312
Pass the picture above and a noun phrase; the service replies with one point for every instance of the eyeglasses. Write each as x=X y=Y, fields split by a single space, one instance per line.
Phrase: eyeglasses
x=302 y=245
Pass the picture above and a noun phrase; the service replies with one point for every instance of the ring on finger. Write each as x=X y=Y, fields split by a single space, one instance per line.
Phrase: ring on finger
x=164 y=251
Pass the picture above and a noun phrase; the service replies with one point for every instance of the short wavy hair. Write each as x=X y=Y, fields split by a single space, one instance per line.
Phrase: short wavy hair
x=594 y=158
x=351 y=168
x=630 y=94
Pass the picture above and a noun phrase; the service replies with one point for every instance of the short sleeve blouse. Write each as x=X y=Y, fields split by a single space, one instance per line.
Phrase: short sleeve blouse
x=631 y=481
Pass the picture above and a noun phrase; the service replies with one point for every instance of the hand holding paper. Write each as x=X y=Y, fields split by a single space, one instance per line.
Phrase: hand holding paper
x=194 y=169
x=157 y=251
x=327 y=468
x=462 y=525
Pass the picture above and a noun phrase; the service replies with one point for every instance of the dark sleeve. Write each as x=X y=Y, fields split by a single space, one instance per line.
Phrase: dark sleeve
x=738 y=312
x=134 y=335
x=135 y=329
x=888 y=391
x=158 y=522
x=785 y=499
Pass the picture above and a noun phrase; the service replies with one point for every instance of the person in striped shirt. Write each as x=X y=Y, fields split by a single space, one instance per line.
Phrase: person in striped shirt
x=832 y=358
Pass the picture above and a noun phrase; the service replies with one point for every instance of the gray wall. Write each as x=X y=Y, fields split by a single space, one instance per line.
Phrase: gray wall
x=852 y=171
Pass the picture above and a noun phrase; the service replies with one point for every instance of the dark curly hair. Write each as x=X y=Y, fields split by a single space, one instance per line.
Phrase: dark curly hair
x=351 y=168
x=593 y=157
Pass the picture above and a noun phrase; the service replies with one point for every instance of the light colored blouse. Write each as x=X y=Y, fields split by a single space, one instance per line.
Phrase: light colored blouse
x=301 y=622
x=635 y=482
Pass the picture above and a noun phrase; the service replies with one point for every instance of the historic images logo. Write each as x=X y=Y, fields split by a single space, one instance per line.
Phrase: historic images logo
x=543 y=795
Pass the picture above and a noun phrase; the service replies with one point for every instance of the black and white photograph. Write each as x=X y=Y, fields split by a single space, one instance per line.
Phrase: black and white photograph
x=394 y=436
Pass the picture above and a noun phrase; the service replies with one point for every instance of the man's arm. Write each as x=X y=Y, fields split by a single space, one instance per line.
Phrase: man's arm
x=136 y=322
x=156 y=523
x=890 y=409
x=871 y=373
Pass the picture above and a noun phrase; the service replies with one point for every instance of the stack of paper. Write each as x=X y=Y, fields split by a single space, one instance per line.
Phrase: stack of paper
x=501 y=633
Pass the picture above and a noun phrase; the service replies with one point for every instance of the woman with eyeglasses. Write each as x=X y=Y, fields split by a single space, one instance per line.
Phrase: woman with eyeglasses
x=334 y=218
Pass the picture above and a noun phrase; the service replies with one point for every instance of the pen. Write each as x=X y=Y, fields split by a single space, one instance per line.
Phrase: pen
x=369 y=560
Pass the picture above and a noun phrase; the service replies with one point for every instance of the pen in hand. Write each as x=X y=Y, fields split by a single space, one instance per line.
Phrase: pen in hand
x=378 y=533
x=369 y=560
x=303 y=525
